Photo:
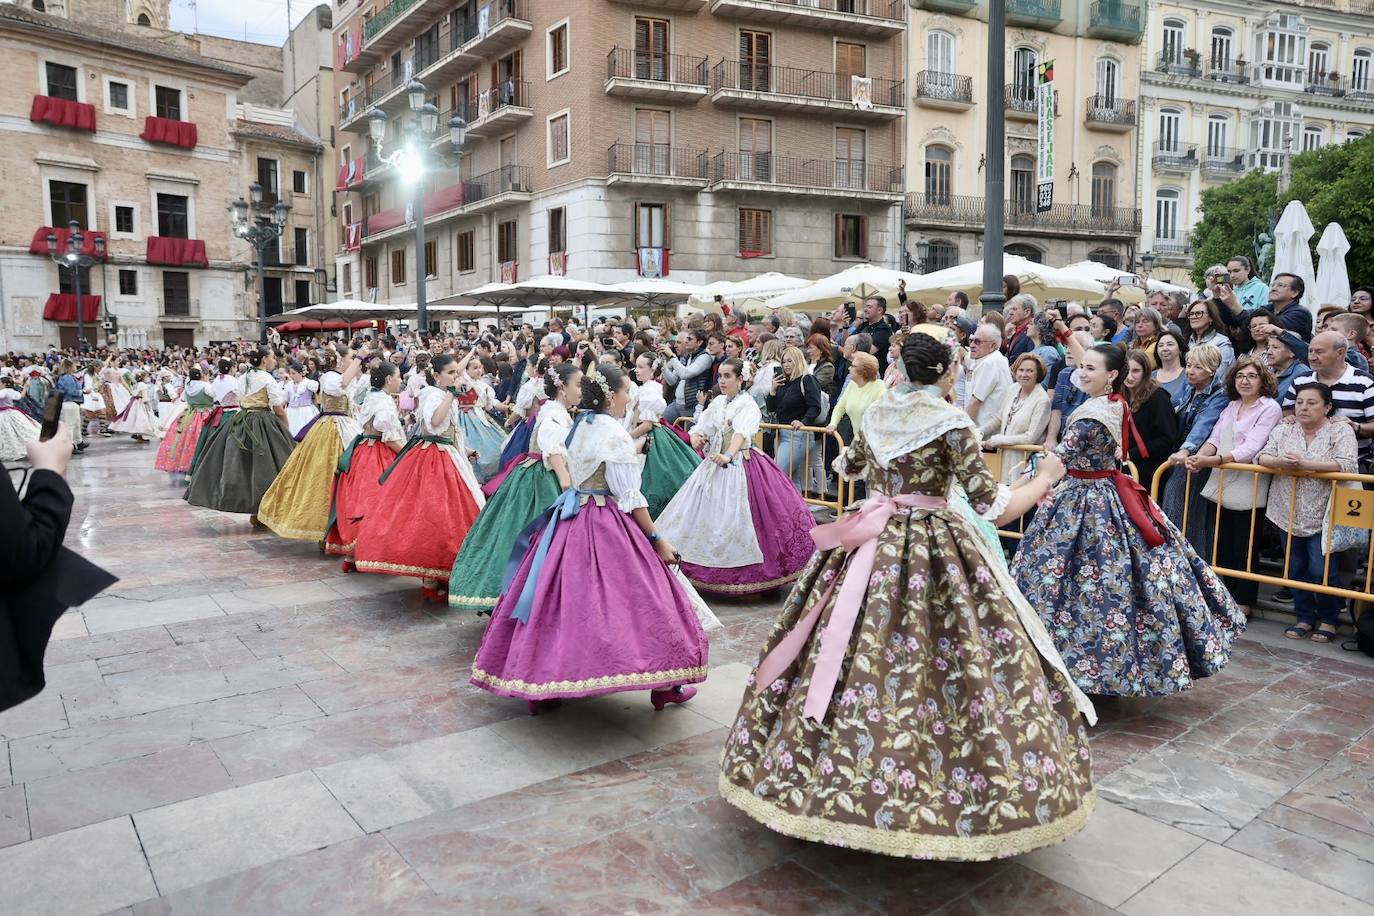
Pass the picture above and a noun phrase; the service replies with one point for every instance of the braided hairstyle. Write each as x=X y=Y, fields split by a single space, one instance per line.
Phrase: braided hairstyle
x=255 y=359
x=557 y=377
x=594 y=397
x=380 y=372
x=926 y=359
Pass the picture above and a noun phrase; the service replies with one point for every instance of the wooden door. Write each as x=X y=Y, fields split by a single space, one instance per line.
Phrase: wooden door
x=850 y=60
x=755 y=149
x=850 y=146
x=653 y=142
x=755 y=60
x=651 y=49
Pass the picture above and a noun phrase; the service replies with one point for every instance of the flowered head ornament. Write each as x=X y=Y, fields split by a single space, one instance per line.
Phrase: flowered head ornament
x=594 y=376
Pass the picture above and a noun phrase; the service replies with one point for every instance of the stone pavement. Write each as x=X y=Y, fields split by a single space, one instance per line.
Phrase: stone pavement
x=237 y=727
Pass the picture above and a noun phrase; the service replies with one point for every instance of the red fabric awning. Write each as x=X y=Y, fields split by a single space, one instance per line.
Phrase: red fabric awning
x=167 y=130
x=177 y=252
x=62 y=307
x=62 y=112
x=435 y=202
x=39 y=245
x=307 y=324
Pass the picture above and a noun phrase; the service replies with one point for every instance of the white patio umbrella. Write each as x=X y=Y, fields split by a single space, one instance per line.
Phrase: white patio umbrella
x=853 y=283
x=1037 y=279
x=346 y=310
x=1105 y=274
x=754 y=291
x=657 y=290
x=1333 y=282
x=1292 y=253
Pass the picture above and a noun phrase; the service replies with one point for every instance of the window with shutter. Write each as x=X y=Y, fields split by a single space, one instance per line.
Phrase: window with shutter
x=467 y=261
x=850 y=60
x=398 y=267
x=755 y=149
x=850 y=146
x=651 y=48
x=755 y=60
x=851 y=235
x=755 y=232
x=652 y=154
x=651 y=225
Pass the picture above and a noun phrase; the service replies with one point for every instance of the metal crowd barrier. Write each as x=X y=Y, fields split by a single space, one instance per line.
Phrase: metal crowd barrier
x=1350 y=504
x=813 y=491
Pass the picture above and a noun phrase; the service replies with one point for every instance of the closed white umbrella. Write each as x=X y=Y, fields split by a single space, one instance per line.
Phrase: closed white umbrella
x=856 y=282
x=1333 y=282
x=1292 y=254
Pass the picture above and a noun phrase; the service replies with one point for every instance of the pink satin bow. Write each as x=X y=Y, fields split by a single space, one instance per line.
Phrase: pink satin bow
x=857 y=534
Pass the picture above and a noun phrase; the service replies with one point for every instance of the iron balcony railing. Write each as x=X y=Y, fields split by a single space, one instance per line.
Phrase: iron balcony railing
x=1034 y=9
x=1327 y=84
x=1180 y=62
x=823 y=174
x=385 y=17
x=1176 y=155
x=505 y=179
x=508 y=94
x=1227 y=70
x=1103 y=109
x=824 y=85
x=1117 y=15
x=633 y=63
x=177 y=307
x=1171 y=245
x=1024 y=98
x=467 y=110
x=970 y=210
x=947 y=87
x=878 y=9
x=1224 y=160
x=363 y=100
x=657 y=160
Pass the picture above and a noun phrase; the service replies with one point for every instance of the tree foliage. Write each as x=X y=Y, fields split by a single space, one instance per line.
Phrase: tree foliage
x=1335 y=184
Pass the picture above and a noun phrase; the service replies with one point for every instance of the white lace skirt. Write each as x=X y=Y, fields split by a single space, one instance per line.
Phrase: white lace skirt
x=17 y=430
x=709 y=522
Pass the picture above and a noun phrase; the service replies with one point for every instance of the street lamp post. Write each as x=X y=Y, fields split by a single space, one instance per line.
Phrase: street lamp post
x=994 y=191
x=1147 y=262
x=260 y=227
x=411 y=160
x=76 y=261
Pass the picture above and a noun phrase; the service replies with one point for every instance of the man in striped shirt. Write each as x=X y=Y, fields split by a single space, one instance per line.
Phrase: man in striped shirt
x=1352 y=390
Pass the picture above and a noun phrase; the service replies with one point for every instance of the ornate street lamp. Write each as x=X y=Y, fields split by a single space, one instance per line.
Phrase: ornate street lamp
x=76 y=261
x=260 y=227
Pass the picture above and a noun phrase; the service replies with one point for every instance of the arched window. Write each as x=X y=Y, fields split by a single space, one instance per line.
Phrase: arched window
x=1029 y=252
x=1025 y=62
x=1170 y=130
x=1167 y=216
x=1108 y=256
x=1362 y=72
x=942 y=254
x=1222 y=53
x=143 y=19
x=940 y=52
x=39 y=6
x=1313 y=138
x=1318 y=61
x=1173 y=44
x=1218 y=135
x=1108 y=82
x=1023 y=184
x=1355 y=135
x=1104 y=188
x=939 y=174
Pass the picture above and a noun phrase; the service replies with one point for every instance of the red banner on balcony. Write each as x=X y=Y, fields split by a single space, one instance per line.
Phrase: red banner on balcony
x=510 y=271
x=62 y=112
x=350 y=174
x=558 y=263
x=177 y=252
x=351 y=45
x=652 y=262
x=449 y=198
x=353 y=236
x=39 y=245
x=62 y=307
x=169 y=131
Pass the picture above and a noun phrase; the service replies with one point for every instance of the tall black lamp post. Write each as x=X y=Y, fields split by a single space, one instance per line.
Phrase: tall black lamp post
x=411 y=160
x=76 y=261
x=260 y=227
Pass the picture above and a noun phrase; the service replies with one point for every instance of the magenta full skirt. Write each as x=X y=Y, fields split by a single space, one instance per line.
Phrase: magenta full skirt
x=782 y=523
x=608 y=616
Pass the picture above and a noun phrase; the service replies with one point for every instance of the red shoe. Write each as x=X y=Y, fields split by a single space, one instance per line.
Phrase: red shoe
x=661 y=698
x=537 y=706
x=348 y=566
x=430 y=593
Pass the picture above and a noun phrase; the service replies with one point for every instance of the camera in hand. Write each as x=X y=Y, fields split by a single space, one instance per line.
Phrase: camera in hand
x=52 y=415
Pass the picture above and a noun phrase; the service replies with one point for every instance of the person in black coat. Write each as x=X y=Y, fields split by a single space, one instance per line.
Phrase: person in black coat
x=1153 y=414
x=39 y=578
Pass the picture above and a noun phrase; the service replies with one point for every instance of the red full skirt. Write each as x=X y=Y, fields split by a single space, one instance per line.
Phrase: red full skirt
x=416 y=521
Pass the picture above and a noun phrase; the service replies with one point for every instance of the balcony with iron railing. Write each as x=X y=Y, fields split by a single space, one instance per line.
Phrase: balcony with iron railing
x=1173 y=247
x=1223 y=162
x=508 y=24
x=285 y=256
x=396 y=23
x=386 y=92
x=956 y=211
x=847 y=178
x=447 y=56
x=1175 y=157
x=500 y=186
x=944 y=90
x=957 y=7
x=1035 y=13
x=1179 y=62
x=1116 y=20
x=656 y=164
x=500 y=108
x=764 y=87
x=639 y=74
x=871 y=18
x=1110 y=113
x=1021 y=101
x=178 y=308
x=1226 y=70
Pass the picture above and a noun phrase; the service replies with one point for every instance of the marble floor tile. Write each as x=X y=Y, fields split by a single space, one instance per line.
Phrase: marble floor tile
x=43 y=713
x=293 y=592
x=88 y=796
x=718 y=698
x=1215 y=881
x=70 y=625
x=104 y=646
x=14 y=816
x=202 y=656
x=785 y=888
x=913 y=889
x=1023 y=892
x=135 y=615
x=1191 y=793
x=1341 y=791
x=196 y=841
x=1114 y=856
x=82 y=872
x=1302 y=844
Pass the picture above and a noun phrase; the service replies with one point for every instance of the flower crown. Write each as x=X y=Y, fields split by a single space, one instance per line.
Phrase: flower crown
x=594 y=376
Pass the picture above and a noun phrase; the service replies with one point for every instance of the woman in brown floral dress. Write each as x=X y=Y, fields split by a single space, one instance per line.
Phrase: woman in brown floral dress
x=931 y=717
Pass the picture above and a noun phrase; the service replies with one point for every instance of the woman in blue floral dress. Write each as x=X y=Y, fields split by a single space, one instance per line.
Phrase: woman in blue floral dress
x=909 y=702
x=1133 y=609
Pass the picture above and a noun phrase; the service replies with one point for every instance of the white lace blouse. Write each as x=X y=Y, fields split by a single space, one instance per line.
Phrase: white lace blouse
x=379 y=410
x=255 y=380
x=551 y=430
x=741 y=413
x=603 y=440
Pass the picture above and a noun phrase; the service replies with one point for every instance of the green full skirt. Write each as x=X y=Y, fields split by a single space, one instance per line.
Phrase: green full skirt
x=668 y=464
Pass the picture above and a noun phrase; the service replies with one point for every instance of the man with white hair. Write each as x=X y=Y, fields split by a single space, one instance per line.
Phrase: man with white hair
x=1020 y=312
x=991 y=381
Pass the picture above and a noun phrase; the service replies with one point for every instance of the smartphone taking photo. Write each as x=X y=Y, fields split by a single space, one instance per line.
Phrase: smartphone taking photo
x=52 y=415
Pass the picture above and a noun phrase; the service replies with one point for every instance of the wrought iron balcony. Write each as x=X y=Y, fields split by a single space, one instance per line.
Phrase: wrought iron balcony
x=633 y=73
x=1034 y=12
x=509 y=182
x=875 y=18
x=749 y=85
x=1116 y=20
x=500 y=107
x=1325 y=84
x=969 y=212
x=1174 y=247
x=655 y=163
x=385 y=17
x=1022 y=101
x=1175 y=157
x=1227 y=70
x=1223 y=161
x=1180 y=62
x=508 y=23
x=1111 y=113
x=944 y=90
x=818 y=177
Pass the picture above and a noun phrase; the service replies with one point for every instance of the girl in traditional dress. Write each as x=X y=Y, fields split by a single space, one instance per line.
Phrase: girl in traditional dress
x=522 y=418
x=250 y=448
x=184 y=432
x=17 y=429
x=139 y=418
x=529 y=486
x=225 y=390
x=365 y=460
x=300 y=399
x=429 y=496
x=483 y=432
x=909 y=701
x=668 y=459
x=112 y=385
x=296 y=506
x=1132 y=607
x=740 y=525
x=95 y=409
x=594 y=606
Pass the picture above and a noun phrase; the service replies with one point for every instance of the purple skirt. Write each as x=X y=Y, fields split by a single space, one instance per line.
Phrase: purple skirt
x=608 y=616
x=782 y=523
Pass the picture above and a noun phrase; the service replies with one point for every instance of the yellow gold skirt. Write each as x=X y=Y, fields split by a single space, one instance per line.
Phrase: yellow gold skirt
x=296 y=505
